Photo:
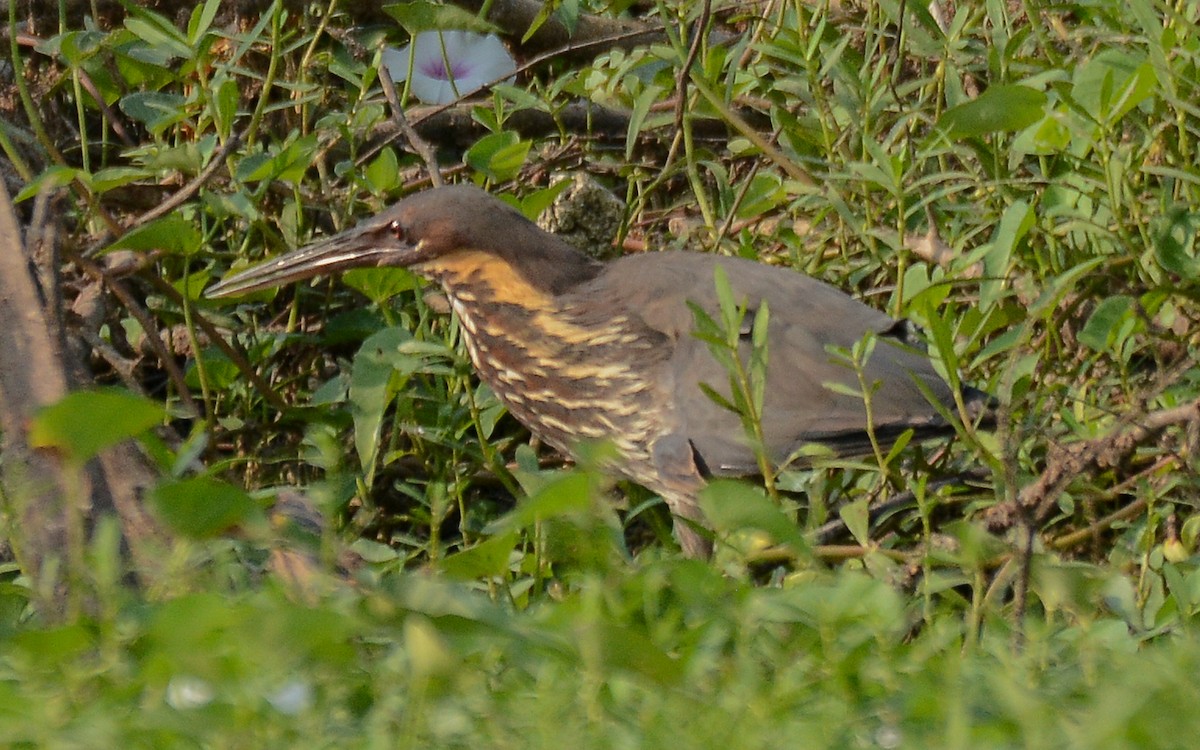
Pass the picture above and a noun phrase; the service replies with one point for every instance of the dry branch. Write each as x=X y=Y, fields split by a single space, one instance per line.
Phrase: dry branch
x=51 y=503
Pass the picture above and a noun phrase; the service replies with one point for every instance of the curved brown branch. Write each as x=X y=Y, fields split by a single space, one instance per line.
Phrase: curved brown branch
x=1092 y=456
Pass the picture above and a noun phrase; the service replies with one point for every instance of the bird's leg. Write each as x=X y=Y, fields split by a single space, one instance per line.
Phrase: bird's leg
x=691 y=528
x=678 y=481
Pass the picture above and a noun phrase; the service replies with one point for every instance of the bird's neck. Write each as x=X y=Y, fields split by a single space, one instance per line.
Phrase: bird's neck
x=545 y=269
x=496 y=301
x=537 y=350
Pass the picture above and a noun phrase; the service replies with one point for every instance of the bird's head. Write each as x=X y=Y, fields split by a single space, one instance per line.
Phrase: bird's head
x=434 y=232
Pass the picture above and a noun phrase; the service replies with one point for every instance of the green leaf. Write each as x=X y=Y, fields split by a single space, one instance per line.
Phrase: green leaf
x=731 y=315
x=543 y=15
x=765 y=194
x=172 y=234
x=498 y=156
x=52 y=177
x=1050 y=135
x=536 y=201
x=637 y=117
x=289 y=163
x=112 y=177
x=857 y=517
x=201 y=21
x=381 y=284
x=487 y=559
x=225 y=104
x=1105 y=322
x=1175 y=246
x=383 y=173
x=718 y=399
x=421 y=15
x=565 y=494
x=1113 y=82
x=220 y=370
x=74 y=46
x=157 y=110
x=192 y=285
x=187 y=157
x=628 y=649
x=202 y=507
x=86 y=422
x=55 y=648
x=1016 y=222
x=731 y=506
x=157 y=32
x=371 y=390
x=999 y=109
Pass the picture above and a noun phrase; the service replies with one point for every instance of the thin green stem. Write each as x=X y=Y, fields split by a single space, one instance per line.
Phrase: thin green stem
x=264 y=98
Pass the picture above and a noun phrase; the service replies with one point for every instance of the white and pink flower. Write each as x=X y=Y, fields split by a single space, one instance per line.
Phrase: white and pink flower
x=447 y=65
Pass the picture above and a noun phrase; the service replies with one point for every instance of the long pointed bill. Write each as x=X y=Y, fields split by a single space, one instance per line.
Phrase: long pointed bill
x=369 y=244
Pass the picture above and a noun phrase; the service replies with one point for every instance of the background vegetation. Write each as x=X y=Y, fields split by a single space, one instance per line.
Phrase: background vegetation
x=1019 y=179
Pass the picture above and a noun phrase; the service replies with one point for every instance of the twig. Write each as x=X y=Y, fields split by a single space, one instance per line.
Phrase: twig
x=176 y=200
x=235 y=355
x=1024 y=558
x=1066 y=541
x=573 y=47
x=769 y=150
x=174 y=373
x=418 y=144
x=827 y=531
x=187 y=191
x=684 y=73
x=1085 y=458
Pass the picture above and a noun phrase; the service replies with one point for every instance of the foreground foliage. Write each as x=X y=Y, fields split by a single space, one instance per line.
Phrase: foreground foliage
x=653 y=655
x=1020 y=181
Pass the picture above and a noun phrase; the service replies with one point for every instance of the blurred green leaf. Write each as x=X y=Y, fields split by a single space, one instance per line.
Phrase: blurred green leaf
x=86 y=422
x=626 y=649
x=1106 y=322
x=54 y=647
x=202 y=507
x=486 y=559
x=736 y=506
x=565 y=494
x=157 y=110
x=422 y=15
x=53 y=177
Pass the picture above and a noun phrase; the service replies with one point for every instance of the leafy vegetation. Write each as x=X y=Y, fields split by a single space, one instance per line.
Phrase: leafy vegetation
x=1020 y=180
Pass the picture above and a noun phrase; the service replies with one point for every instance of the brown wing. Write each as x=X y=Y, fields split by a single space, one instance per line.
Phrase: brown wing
x=806 y=317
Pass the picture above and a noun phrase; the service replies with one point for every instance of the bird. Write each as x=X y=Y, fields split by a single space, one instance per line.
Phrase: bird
x=580 y=350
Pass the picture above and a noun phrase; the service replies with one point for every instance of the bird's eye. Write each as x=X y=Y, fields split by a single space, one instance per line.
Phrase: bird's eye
x=397 y=230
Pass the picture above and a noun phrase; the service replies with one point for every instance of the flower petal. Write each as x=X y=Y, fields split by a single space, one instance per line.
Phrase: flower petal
x=395 y=59
x=447 y=62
